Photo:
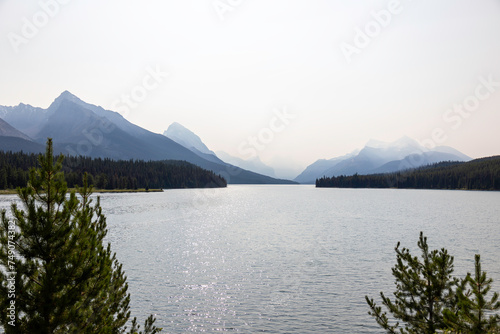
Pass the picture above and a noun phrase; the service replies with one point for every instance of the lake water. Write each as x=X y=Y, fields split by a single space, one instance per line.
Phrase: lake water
x=285 y=259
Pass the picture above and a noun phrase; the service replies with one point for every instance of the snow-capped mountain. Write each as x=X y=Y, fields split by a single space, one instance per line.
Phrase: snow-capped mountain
x=381 y=157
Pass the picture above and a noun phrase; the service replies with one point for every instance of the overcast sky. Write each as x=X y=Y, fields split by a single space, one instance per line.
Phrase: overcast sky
x=337 y=73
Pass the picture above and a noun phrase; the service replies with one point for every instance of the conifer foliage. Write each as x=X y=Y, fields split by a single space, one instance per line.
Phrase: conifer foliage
x=423 y=287
x=474 y=313
x=56 y=274
x=110 y=174
x=428 y=299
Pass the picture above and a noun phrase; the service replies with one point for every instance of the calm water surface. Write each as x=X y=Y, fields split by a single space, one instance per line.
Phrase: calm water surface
x=285 y=259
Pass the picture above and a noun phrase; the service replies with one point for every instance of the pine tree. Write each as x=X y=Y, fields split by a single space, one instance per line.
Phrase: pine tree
x=56 y=275
x=472 y=308
x=423 y=289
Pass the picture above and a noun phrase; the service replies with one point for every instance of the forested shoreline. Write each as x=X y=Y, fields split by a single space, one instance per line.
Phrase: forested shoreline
x=479 y=174
x=105 y=173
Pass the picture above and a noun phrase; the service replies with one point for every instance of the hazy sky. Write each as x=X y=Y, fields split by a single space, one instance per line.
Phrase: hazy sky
x=337 y=73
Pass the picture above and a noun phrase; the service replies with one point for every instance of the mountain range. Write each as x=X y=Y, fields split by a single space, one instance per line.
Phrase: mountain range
x=380 y=157
x=375 y=157
x=80 y=128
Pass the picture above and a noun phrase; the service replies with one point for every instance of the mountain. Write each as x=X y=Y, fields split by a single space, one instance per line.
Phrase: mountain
x=451 y=150
x=80 y=128
x=7 y=130
x=375 y=154
x=24 y=117
x=81 y=132
x=312 y=172
x=182 y=135
x=253 y=164
x=16 y=144
x=381 y=157
x=186 y=138
x=12 y=139
x=416 y=160
x=478 y=174
x=112 y=116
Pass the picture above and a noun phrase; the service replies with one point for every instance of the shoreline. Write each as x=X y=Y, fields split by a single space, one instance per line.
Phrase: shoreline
x=95 y=191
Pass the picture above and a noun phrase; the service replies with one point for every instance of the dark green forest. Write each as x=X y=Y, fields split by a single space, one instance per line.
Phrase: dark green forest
x=479 y=174
x=110 y=174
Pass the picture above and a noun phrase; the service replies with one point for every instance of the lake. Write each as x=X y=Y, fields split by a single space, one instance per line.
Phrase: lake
x=285 y=259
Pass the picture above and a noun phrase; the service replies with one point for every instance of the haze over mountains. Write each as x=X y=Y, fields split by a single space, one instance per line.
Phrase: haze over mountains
x=193 y=142
x=375 y=157
x=186 y=138
x=253 y=164
x=80 y=128
x=380 y=157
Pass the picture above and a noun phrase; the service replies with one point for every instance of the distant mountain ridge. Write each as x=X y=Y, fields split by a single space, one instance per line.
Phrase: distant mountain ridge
x=24 y=117
x=253 y=164
x=380 y=157
x=12 y=139
x=310 y=174
x=80 y=128
x=7 y=130
x=478 y=174
x=193 y=142
x=186 y=138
